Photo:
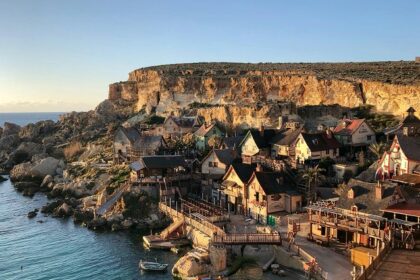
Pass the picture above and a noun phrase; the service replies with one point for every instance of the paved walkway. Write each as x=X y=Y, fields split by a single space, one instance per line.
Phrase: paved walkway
x=399 y=264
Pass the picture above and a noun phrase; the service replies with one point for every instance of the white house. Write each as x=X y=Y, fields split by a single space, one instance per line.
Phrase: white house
x=355 y=132
x=315 y=146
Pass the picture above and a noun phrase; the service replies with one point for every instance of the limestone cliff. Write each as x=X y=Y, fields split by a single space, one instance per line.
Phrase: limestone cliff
x=389 y=86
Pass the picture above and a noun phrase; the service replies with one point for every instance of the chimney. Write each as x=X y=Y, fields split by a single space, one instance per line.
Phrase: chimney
x=262 y=130
x=379 y=191
x=259 y=167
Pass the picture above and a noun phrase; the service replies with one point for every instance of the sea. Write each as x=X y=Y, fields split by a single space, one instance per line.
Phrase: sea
x=50 y=249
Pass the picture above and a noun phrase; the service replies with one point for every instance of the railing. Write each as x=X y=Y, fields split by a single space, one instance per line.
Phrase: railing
x=247 y=238
x=375 y=264
x=164 y=179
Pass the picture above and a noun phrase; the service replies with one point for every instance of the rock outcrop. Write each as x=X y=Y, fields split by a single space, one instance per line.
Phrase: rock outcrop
x=389 y=86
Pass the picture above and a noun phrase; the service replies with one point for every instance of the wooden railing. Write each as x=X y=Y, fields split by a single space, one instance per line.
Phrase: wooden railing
x=368 y=271
x=247 y=238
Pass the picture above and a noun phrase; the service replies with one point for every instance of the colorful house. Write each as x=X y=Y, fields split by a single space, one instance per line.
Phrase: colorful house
x=204 y=133
x=270 y=193
x=354 y=132
x=256 y=143
x=315 y=146
x=177 y=126
x=284 y=143
x=124 y=139
x=233 y=190
x=217 y=162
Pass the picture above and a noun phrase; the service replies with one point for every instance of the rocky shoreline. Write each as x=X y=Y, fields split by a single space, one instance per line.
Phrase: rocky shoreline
x=68 y=161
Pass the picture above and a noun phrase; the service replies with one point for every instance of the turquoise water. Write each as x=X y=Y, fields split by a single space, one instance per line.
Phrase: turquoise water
x=59 y=249
x=25 y=118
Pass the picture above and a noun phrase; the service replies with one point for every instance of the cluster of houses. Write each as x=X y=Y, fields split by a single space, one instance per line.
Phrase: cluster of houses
x=254 y=173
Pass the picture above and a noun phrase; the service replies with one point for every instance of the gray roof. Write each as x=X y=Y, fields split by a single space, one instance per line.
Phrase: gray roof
x=232 y=142
x=132 y=133
x=148 y=141
x=226 y=155
x=274 y=183
x=286 y=137
x=364 y=196
x=410 y=145
x=158 y=162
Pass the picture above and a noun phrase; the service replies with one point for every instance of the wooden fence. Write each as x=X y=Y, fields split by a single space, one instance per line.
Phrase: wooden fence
x=247 y=238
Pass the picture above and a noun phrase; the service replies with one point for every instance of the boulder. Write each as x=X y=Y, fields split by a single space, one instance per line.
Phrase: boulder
x=49 y=207
x=46 y=182
x=23 y=173
x=64 y=210
x=127 y=223
x=80 y=216
x=10 y=129
x=9 y=142
x=46 y=166
x=32 y=214
x=30 y=148
x=2 y=179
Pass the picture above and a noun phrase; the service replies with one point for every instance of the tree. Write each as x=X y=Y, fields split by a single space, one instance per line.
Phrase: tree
x=377 y=149
x=312 y=176
x=214 y=141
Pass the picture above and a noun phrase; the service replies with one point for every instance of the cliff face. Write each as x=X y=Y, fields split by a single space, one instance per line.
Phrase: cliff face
x=389 y=86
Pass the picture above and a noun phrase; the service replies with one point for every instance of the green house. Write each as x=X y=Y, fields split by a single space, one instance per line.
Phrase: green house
x=204 y=133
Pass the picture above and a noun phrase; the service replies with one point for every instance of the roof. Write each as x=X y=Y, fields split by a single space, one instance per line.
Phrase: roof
x=286 y=137
x=347 y=126
x=204 y=129
x=232 y=142
x=158 y=162
x=320 y=141
x=262 y=139
x=148 y=141
x=410 y=146
x=273 y=182
x=132 y=133
x=244 y=171
x=411 y=209
x=364 y=196
x=410 y=179
x=184 y=121
x=225 y=156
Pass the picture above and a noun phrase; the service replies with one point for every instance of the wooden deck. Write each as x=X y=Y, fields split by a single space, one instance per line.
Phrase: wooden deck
x=247 y=238
x=399 y=264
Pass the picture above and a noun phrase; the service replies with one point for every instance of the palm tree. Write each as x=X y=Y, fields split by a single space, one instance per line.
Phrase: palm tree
x=377 y=149
x=312 y=176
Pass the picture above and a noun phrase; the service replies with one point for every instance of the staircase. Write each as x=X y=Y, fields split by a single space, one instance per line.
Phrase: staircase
x=101 y=210
x=171 y=228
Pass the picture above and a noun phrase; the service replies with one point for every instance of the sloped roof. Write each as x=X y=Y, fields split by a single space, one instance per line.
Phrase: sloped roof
x=320 y=141
x=273 y=182
x=364 y=196
x=158 y=162
x=148 y=141
x=347 y=126
x=244 y=171
x=232 y=142
x=184 y=121
x=132 y=133
x=404 y=208
x=204 y=129
x=286 y=137
x=262 y=139
x=225 y=156
x=410 y=146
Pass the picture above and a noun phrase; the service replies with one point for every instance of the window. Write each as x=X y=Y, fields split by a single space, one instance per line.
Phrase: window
x=210 y=164
x=257 y=196
x=264 y=198
x=369 y=137
x=214 y=164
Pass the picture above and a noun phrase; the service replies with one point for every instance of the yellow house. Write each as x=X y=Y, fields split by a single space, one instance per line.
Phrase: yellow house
x=270 y=193
x=217 y=162
x=233 y=189
x=315 y=146
x=256 y=143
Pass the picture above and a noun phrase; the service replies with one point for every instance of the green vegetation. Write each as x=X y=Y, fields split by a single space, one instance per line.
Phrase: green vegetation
x=137 y=205
x=396 y=72
x=153 y=119
x=376 y=120
x=239 y=263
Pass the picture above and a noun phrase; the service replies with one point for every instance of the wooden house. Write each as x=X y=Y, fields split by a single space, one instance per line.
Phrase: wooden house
x=354 y=132
x=124 y=140
x=270 y=193
x=177 y=126
x=217 y=162
x=204 y=133
x=233 y=190
x=315 y=146
x=256 y=143
x=284 y=142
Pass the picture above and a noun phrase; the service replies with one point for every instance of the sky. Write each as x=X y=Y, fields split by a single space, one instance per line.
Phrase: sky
x=58 y=56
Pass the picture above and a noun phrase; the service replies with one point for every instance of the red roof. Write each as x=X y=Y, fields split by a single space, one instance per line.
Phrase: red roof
x=404 y=208
x=348 y=126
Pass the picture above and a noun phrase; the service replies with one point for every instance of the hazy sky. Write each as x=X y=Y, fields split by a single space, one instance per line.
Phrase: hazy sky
x=62 y=55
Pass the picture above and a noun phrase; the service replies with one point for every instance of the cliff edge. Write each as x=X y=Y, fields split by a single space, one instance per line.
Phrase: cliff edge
x=390 y=87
